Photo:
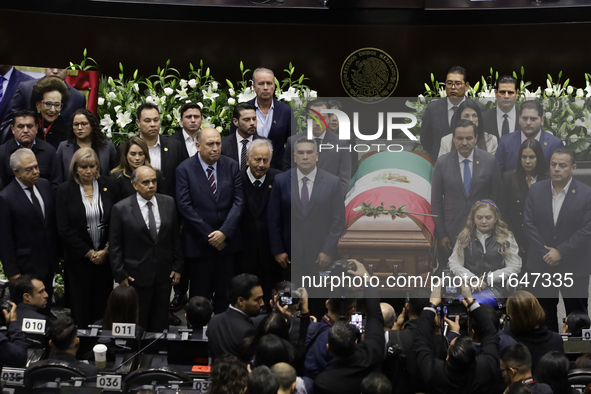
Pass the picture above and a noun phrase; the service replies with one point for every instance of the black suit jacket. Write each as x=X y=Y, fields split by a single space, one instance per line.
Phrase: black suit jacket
x=282 y=127
x=516 y=198
x=22 y=100
x=202 y=213
x=253 y=223
x=132 y=250
x=71 y=216
x=171 y=156
x=230 y=147
x=46 y=159
x=491 y=126
x=570 y=235
x=28 y=244
x=334 y=162
x=435 y=125
x=15 y=79
x=181 y=139
x=226 y=331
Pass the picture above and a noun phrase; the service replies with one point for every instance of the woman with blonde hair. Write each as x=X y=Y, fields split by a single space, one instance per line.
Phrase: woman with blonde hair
x=486 y=252
x=526 y=323
x=84 y=205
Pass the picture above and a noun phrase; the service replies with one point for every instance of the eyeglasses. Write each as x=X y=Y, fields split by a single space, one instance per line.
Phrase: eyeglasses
x=49 y=104
x=456 y=84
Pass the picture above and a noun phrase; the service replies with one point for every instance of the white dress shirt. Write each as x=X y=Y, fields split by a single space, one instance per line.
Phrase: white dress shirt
x=264 y=122
x=537 y=137
x=450 y=111
x=239 y=144
x=252 y=178
x=471 y=164
x=204 y=165
x=558 y=199
x=28 y=194
x=511 y=116
x=190 y=143
x=143 y=203
x=155 y=159
x=311 y=177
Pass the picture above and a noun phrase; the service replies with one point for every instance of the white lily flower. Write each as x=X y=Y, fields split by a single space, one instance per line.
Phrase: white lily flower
x=183 y=83
x=231 y=101
x=123 y=119
x=192 y=83
x=101 y=101
x=109 y=135
x=209 y=94
x=149 y=99
x=219 y=128
x=548 y=115
x=232 y=92
x=573 y=138
x=442 y=92
x=569 y=90
x=214 y=85
x=136 y=87
x=200 y=104
x=549 y=91
x=289 y=94
x=107 y=123
x=580 y=93
x=580 y=103
x=313 y=94
x=163 y=99
x=247 y=94
x=168 y=91
x=182 y=93
x=111 y=96
x=177 y=114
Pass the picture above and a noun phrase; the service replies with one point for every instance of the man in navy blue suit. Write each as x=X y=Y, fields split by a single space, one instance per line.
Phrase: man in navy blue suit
x=10 y=77
x=557 y=220
x=530 y=122
x=274 y=118
x=306 y=214
x=209 y=199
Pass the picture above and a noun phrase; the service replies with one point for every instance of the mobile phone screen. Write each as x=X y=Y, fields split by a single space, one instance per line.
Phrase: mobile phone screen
x=357 y=321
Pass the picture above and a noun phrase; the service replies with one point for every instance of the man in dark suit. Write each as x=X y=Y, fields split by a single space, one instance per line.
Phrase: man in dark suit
x=145 y=247
x=210 y=199
x=191 y=120
x=307 y=207
x=22 y=99
x=275 y=119
x=460 y=179
x=503 y=119
x=530 y=122
x=257 y=183
x=330 y=159
x=438 y=115
x=10 y=77
x=24 y=129
x=28 y=235
x=165 y=152
x=557 y=220
x=31 y=296
x=226 y=330
x=235 y=145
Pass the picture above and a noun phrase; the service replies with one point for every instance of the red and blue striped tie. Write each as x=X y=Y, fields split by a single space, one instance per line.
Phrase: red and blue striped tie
x=211 y=180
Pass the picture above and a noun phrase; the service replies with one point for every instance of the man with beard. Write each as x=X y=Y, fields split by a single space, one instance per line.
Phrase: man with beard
x=236 y=144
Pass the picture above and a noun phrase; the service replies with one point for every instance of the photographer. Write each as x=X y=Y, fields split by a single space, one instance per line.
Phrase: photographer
x=13 y=348
x=460 y=371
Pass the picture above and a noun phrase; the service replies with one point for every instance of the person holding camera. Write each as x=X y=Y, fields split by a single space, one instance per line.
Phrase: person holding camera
x=486 y=253
x=13 y=347
x=461 y=371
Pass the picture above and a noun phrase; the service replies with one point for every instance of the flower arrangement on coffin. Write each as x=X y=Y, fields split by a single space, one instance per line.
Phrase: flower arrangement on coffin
x=567 y=108
x=120 y=97
x=370 y=210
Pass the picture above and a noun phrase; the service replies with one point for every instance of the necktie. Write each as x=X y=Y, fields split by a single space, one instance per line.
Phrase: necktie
x=305 y=196
x=211 y=180
x=455 y=109
x=1 y=87
x=257 y=183
x=318 y=143
x=243 y=154
x=467 y=176
x=505 y=129
x=152 y=222
x=36 y=203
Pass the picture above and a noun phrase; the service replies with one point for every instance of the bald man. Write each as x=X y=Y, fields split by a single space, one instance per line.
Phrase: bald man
x=209 y=196
x=389 y=316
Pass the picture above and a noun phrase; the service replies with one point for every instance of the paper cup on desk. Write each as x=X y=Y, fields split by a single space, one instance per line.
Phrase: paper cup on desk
x=100 y=356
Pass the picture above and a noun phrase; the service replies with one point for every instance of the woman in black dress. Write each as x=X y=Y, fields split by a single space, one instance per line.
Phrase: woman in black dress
x=134 y=154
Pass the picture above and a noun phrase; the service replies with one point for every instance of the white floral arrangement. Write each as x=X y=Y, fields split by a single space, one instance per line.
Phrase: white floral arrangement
x=567 y=108
x=120 y=97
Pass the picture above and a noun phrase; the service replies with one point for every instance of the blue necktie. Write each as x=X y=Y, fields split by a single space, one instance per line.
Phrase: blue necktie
x=467 y=176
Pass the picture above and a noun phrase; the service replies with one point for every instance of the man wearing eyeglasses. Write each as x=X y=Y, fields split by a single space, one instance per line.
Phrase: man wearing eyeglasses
x=439 y=113
x=22 y=98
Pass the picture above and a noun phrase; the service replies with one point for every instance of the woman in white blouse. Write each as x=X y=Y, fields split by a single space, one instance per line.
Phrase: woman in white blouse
x=485 y=250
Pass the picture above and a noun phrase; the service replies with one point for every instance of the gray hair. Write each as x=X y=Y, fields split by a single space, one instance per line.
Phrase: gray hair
x=259 y=142
x=263 y=70
x=134 y=177
x=15 y=158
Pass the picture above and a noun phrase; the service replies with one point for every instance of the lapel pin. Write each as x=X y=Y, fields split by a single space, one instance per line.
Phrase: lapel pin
x=165 y=149
x=105 y=189
x=477 y=162
x=545 y=143
x=573 y=191
x=270 y=186
x=275 y=121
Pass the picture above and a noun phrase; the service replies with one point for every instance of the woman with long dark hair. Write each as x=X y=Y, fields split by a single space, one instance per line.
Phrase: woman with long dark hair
x=84 y=131
x=553 y=370
x=531 y=168
x=469 y=110
x=134 y=154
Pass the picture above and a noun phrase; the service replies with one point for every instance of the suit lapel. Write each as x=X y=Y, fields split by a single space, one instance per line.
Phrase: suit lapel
x=105 y=197
x=267 y=188
x=163 y=153
x=455 y=168
x=137 y=214
x=23 y=199
x=443 y=116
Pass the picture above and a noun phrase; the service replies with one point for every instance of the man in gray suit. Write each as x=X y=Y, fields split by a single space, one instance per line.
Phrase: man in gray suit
x=330 y=159
x=460 y=179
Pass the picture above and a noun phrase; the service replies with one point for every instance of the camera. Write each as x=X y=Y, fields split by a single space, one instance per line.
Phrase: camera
x=287 y=297
x=452 y=305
